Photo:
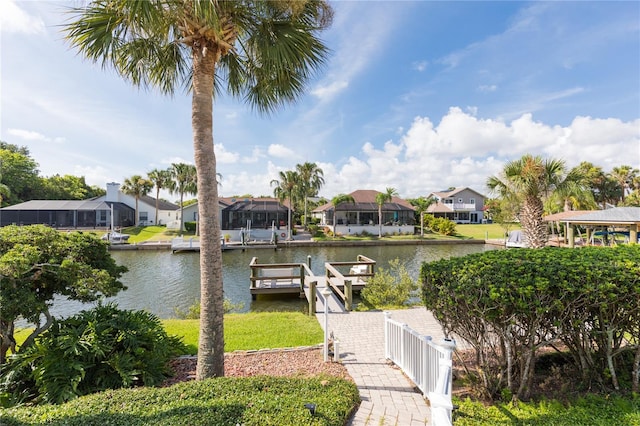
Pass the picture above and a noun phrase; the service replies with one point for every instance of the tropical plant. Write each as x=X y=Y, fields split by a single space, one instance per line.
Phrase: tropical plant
x=286 y=188
x=528 y=181
x=311 y=180
x=102 y=348
x=421 y=204
x=381 y=198
x=389 y=288
x=161 y=179
x=19 y=174
x=38 y=265
x=183 y=180
x=265 y=52
x=603 y=187
x=336 y=201
x=137 y=187
x=624 y=176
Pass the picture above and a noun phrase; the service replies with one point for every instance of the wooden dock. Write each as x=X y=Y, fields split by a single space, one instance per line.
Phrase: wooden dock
x=191 y=244
x=297 y=278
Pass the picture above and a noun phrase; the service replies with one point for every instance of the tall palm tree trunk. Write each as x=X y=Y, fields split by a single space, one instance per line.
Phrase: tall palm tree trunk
x=211 y=343
x=532 y=223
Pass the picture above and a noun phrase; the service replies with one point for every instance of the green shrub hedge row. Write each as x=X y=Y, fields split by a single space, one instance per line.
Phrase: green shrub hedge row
x=223 y=401
x=508 y=304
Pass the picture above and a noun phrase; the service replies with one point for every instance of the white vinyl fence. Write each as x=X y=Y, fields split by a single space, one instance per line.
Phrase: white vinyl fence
x=427 y=364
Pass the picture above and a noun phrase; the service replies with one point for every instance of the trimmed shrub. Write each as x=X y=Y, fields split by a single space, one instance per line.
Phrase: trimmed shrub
x=508 y=304
x=97 y=349
x=190 y=226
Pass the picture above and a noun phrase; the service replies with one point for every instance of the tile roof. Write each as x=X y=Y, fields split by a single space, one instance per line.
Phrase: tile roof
x=365 y=200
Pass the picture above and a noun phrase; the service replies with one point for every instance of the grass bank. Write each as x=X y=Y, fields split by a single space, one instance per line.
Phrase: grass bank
x=259 y=330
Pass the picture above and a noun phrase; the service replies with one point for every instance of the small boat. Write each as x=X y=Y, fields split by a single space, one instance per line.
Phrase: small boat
x=516 y=239
x=115 y=237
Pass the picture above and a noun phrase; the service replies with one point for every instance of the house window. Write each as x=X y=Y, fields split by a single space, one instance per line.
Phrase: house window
x=460 y=200
x=143 y=217
x=448 y=201
x=472 y=201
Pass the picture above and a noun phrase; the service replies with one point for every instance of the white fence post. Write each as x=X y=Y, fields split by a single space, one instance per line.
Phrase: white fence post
x=427 y=364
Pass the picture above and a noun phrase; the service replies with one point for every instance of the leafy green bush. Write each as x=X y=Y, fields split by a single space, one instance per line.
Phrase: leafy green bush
x=190 y=226
x=443 y=226
x=225 y=401
x=97 y=349
x=510 y=303
x=389 y=288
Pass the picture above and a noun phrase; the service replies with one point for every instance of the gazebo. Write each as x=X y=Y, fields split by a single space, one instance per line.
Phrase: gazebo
x=626 y=219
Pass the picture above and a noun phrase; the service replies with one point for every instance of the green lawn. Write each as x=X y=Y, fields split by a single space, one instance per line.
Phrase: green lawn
x=260 y=330
x=488 y=231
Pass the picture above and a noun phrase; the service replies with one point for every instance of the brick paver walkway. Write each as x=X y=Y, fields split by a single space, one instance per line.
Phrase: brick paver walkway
x=388 y=397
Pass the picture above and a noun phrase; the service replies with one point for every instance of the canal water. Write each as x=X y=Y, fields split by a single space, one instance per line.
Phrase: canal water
x=160 y=281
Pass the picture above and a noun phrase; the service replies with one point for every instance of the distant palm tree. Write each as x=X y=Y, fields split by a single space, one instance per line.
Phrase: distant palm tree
x=137 y=187
x=421 y=205
x=184 y=180
x=311 y=180
x=161 y=179
x=624 y=176
x=263 y=52
x=336 y=201
x=381 y=198
x=286 y=188
x=530 y=180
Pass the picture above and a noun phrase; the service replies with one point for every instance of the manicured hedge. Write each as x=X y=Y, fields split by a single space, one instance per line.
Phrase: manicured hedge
x=510 y=303
x=224 y=401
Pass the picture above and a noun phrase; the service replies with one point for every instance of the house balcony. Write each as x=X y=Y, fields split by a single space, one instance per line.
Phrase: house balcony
x=461 y=207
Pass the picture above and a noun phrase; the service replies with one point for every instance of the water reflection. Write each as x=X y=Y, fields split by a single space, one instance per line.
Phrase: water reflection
x=160 y=281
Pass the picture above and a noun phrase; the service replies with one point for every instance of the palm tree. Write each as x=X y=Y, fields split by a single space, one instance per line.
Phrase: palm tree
x=336 y=201
x=184 y=180
x=381 y=198
x=137 y=187
x=285 y=188
x=421 y=204
x=161 y=179
x=311 y=180
x=264 y=52
x=623 y=175
x=529 y=180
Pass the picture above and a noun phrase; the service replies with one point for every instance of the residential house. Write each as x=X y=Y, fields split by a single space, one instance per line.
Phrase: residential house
x=461 y=205
x=167 y=212
x=93 y=213
x=398 y=216
x=238 y=213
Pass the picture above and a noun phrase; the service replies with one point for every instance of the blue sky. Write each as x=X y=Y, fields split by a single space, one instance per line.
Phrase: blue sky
x=416 y=95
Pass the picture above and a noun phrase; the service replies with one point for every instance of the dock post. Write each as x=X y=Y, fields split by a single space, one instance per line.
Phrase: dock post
x=326 y=292
x=312 y=297
x=348 y=295
x=309 y=261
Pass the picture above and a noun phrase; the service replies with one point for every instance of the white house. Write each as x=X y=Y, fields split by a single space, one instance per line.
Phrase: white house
x=167 y=212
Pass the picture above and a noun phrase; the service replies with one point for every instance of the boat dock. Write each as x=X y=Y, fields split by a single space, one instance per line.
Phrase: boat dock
x=342 y=279
x=181 y=244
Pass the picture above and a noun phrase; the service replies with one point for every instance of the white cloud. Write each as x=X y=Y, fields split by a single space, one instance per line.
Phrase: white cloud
x=329 y=89
x=15 y=20
x=256 y=154
x=420 y=65
x=30 y=135
x=485 y=88
x=224 y=156
x=280 y=151
x=463 y=150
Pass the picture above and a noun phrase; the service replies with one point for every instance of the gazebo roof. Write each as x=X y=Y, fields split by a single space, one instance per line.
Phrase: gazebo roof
x=615 y=216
